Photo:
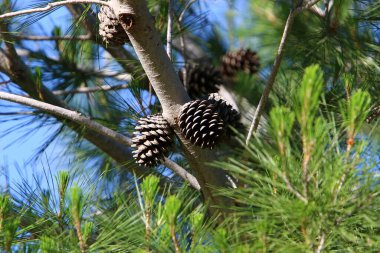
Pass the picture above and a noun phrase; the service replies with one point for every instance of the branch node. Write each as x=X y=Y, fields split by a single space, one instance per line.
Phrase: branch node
x=126 y=20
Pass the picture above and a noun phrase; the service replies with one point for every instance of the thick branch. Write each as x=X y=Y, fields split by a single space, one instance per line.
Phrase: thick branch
x=139 y=25
x=50 y=6
x=67 y=114
x=90 y=124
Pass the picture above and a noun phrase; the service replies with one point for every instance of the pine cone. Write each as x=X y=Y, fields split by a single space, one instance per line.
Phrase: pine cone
x=201 y=80
x=242 y=60
x=228 y=114
x=110 y=29
x=200 y=123
x=151 y=140
x=374 y=114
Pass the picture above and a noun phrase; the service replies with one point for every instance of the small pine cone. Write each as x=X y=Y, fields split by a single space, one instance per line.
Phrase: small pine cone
x=229 y=115
x=374 y=114
x=110 y=29
x=242 y=60
x=201 y=80
x=200 y=123
x=152 y=138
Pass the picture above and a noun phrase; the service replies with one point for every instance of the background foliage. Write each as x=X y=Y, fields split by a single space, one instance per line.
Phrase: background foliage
x=309 y=185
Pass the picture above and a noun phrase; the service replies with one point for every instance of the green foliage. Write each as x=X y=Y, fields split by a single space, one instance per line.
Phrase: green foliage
x=321 y=195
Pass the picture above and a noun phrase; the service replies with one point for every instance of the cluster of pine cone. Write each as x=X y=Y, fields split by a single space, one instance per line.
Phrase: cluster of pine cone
x=203 y=121
x=202 y=80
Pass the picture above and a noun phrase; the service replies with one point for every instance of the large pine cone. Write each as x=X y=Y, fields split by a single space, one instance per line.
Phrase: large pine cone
x=110 y=29
x=152 y=140
x=201 y=80
x=200 y=123
x=244 y=60
x=229 y=115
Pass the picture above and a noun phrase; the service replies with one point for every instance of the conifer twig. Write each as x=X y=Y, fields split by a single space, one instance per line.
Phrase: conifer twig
x=174 y=239
x=187 y=6
x=55 y=38
x=5 y=82
x=50 y=6
x=96 y=127
x=321 y=243
x=182 y=173
x=292 y=190
x=276 y=66
x=91 y=89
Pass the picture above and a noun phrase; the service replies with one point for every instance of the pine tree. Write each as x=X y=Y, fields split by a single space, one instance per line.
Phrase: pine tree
x=298 y=91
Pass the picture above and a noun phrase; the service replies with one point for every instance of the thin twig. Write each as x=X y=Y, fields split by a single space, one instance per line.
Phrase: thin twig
x=82 y=243
x=174 y=239
x=5 y=82
x=183 y=51
x=18 y=113
x=272 y=77
x=187 y=6
x=170 y=28
x=54 y=38
x=96 y=127
x=91 y=89
x=182 y=173
x=277 y=62
x=318 y=11
x=50 y=6
x=321 y=243
x=291 y=188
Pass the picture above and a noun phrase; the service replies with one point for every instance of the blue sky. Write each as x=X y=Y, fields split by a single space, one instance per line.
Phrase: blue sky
x=16 y=156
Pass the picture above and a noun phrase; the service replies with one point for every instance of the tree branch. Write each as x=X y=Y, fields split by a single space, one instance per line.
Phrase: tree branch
x=67 y=114
x=276 y=66
x=91 y=89
x=182 y=173
x=139 y=25
x=96 y=127
x=321 y=243
x=44 y=38
x=272 y=77
x=5 y=82
x=50 y=6
x=187 y=6
x=291 y=188
x=317 y=11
